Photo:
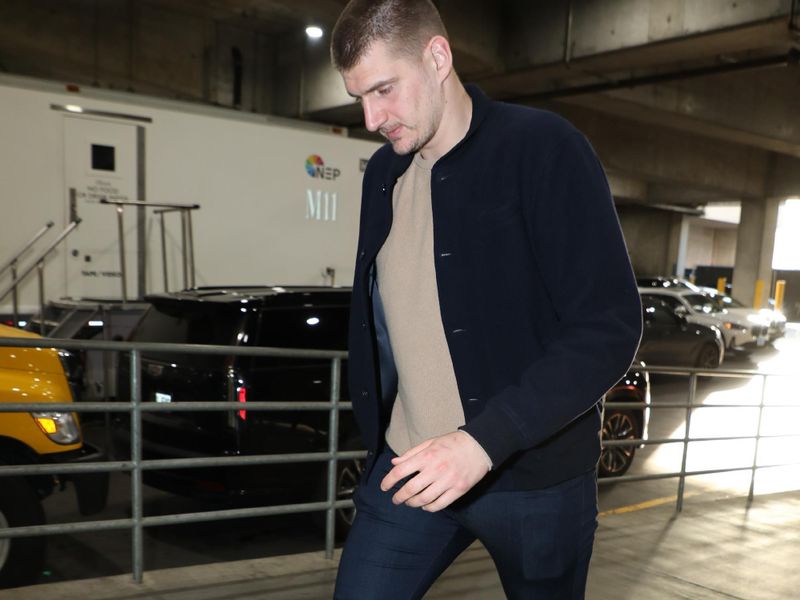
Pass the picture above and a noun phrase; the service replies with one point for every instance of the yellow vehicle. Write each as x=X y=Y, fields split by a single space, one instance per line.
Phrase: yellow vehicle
x=48 y=437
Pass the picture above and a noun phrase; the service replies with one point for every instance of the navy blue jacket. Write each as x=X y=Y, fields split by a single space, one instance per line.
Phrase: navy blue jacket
x=537 y=295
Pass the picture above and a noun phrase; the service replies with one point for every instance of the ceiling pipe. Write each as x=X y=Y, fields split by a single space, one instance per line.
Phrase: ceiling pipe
x=790 y=58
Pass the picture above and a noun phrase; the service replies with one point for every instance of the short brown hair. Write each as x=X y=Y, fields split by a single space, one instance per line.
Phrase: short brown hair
x=406 y=25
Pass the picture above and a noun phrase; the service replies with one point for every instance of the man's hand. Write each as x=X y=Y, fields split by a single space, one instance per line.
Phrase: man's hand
x=447 y=467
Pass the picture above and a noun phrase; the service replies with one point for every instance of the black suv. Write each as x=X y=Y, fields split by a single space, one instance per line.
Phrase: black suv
x=309 y=318
x=287 y=317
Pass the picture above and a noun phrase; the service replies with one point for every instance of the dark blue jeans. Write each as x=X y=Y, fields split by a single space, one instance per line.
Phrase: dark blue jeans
x=540 y=540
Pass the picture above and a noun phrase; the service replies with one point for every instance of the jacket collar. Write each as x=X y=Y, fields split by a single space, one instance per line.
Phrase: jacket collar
x=480 y=108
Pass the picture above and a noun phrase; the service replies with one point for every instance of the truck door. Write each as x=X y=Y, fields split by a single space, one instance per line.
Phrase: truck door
x=100 y=161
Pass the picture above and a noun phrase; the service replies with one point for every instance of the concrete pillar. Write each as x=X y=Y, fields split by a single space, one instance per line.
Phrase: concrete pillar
x=678 y=245
x=654 y=238
x=755 y=246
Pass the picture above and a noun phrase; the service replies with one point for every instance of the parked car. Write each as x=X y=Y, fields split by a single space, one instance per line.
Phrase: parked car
x=663 y=282
x=31 y=438
x=738 y=332
x=669 y=339
x=313 y=318
x=775 y=320
x=290 y=317
x=625 y=423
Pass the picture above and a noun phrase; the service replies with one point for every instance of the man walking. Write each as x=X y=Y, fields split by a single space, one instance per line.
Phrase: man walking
x=493 y=306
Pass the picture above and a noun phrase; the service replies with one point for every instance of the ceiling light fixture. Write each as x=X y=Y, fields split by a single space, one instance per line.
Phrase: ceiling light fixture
x=314 y=32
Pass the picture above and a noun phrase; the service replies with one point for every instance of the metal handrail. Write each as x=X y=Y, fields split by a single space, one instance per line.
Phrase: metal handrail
x=187 y=239
x=137 y=465
x=26 y=247
x=38 y=264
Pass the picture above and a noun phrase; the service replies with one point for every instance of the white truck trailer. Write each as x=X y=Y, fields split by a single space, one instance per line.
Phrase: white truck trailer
x=278 y=199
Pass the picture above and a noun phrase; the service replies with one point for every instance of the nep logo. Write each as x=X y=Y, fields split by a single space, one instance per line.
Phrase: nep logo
x=315 y=167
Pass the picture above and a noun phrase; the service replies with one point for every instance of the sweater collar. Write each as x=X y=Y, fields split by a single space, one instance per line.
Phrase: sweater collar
x=480 y=108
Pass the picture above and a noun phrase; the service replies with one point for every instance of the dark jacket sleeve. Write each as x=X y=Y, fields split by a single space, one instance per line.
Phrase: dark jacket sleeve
x=579 y=251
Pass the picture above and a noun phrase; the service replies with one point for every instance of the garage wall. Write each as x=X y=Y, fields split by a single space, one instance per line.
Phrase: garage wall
x=138 y=46
x=711 y=246
x=649 y=236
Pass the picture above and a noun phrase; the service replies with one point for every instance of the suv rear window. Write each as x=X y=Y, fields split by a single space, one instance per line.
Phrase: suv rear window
x=185 y=325
x=315 y=328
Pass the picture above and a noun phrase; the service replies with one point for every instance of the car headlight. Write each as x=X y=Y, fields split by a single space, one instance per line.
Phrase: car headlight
x=60 y=427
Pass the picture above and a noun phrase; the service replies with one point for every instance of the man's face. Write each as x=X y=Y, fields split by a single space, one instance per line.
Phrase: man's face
x=400 y=97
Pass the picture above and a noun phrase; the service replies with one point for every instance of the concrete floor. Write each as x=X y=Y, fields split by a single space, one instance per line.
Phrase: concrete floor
x=715 y=549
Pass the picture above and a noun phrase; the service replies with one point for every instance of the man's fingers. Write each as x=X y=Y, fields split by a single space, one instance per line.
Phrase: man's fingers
x=411 y=452
x=427 y=495
x=411 y=488
x=396 y=474
x=442 y=501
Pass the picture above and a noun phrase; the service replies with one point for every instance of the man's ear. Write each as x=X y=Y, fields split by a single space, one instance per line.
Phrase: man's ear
x=439 y=49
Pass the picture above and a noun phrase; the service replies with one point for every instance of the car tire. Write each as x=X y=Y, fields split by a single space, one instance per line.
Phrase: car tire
x=616 y=460
x=21 y=559
x=348 y=476
x=707 y=357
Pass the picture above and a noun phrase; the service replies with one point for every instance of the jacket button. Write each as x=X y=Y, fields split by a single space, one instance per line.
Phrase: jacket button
x=364 y=393
x=383 y=188
x=363 y=324
x=362 y=254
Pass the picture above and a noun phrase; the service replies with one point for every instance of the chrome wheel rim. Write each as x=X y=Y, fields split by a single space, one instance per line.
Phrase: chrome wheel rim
x=349 y=477
x=5 y=543
x=618 y=426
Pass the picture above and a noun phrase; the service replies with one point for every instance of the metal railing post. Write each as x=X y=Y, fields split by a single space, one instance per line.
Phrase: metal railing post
x=184 y=236
x=333 y=448
x=121 y=227
x=758 y=440
x=40 y=277
x=164 y=251
x=190 y=247
x=107 y=377
x=689 y=408
x=14 y=293
x=136 y=458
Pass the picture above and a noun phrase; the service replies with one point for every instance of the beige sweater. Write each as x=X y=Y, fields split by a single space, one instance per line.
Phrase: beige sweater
x=428 y=402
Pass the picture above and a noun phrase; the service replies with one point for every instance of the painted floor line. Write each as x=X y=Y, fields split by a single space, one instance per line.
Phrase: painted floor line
x=643 y=505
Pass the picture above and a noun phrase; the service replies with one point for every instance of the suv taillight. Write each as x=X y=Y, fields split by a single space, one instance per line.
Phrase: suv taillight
x=241 y=396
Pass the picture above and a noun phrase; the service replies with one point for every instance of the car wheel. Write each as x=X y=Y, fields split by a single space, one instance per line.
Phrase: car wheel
x=708 y=357
x=21 y=559
x=616 y=460
x=348 y=476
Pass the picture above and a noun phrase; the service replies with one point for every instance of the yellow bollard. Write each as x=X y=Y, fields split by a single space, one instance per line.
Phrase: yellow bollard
x=721 y=281
x=757 y=299
x=780 y=287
